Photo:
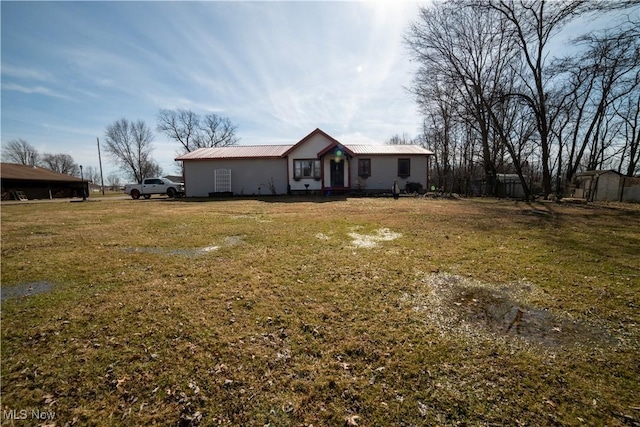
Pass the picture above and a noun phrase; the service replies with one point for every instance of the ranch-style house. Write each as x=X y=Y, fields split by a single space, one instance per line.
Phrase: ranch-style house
x=317 y=164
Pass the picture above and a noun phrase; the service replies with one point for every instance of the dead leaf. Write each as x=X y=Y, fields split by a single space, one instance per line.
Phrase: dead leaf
x=288 y=407
x=422 y=408
x=48 y=399
x=121 y=381
x=351 y=420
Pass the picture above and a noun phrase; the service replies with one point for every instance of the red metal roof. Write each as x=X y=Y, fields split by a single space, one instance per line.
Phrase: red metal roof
x=278 y=151
x=237 y=152
x=374 y=149
x=275 y=151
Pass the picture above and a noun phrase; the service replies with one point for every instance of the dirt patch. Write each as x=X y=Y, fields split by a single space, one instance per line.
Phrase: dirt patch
x=24 y=290
x=173 y=252
x=372 y=240
x=252 y=218
x=464 y=305
x=366 y=241
x=194 y=252
x=232 y=240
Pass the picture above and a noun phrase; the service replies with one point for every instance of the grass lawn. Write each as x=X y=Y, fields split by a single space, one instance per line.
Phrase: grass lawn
x=286 y=311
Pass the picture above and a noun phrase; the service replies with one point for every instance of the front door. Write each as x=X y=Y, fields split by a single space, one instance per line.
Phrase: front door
x=337 y=173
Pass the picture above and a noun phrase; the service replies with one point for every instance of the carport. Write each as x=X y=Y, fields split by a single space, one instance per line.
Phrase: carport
x=38 y=183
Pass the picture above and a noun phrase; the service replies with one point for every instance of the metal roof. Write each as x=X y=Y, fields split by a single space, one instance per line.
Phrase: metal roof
x=237 y=152
x=597 y=172
x=278 y=151
x=33 y=173
x=375 y=149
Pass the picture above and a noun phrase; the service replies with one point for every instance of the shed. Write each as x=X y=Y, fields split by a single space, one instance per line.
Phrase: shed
x=509 y=185
x=35 y=182
x=606 y=186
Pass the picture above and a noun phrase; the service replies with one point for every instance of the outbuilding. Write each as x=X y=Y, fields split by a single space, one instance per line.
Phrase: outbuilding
x=606 y=185
x=509 y=185
x=317 y=164
x=34 y=182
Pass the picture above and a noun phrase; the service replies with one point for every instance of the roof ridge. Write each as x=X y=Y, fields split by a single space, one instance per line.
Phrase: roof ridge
x=250 y=145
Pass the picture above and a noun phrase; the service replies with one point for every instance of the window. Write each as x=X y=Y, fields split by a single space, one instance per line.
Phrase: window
x=306 y=169
x=404 y=168
x=364 y=168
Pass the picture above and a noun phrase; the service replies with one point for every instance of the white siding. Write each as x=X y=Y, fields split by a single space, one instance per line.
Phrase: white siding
x=309 y=149
x=608 y=187
x=384 y=170
x=248 y=176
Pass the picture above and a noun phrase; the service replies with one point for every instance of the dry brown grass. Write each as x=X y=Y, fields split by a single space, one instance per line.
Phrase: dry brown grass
x=249 y=312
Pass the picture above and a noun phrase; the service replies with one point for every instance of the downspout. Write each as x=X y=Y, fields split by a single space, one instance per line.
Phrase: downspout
x=624 y=178
x=322 y=165
x=348 y=171
x=288 y=179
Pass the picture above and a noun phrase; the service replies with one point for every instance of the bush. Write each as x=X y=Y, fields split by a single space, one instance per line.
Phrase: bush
x=413 y=187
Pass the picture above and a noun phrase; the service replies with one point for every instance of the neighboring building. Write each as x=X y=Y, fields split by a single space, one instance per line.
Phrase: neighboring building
x=38 y=183
x=606 y=185
x=173 y=178
x=317 y=164
x=509 y=185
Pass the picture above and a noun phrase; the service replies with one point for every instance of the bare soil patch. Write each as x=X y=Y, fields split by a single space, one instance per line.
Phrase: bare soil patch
x=467 y=306
x=228 y=241
x=363 y=240
x=25 y=289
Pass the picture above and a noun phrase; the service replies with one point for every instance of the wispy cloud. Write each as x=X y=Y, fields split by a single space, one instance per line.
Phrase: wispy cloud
x=40 y=90
x=276 y=69
x=26 y=73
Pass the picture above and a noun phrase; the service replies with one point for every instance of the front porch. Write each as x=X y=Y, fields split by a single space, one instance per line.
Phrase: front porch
x=336 y=161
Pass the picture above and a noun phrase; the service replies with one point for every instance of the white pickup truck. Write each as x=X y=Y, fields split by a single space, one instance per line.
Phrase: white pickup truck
x=151 y=186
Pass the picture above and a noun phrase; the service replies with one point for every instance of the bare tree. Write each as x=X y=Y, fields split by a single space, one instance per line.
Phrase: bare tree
x=629 y=113
x=193 y=132
x=179 y=125
x=129 y=144
x=404 y=139
x=21 y=152
x=490 y=95
x=216 y=131
x=533 y=23
x=438 y=130
x=600 y=81
x=91 y=174
x=61 y=163
x=113 y=180
x=463 y=51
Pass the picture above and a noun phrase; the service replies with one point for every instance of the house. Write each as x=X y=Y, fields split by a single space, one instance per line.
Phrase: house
x=317 y=164
x=33 y=182
x=606 y=185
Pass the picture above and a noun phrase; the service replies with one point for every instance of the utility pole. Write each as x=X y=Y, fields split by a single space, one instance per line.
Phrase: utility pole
x=100 y=161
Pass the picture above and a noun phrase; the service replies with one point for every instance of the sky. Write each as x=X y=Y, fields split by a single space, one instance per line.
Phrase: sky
x=278 y=70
